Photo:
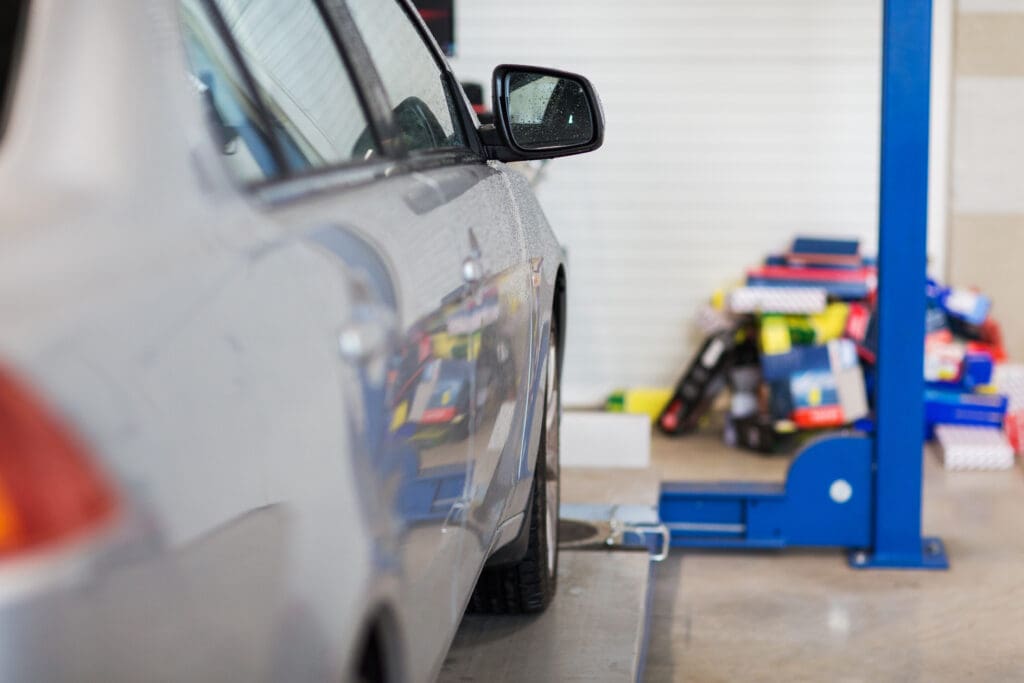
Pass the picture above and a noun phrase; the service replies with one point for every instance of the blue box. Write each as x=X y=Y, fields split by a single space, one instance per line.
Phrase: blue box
x=825 y=245
x=782 y=366
x=945 y=406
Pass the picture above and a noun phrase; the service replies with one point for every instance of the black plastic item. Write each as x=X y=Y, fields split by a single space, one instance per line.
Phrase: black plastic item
x=755 y=433
x=868 y=349
x=703 y=380
x=964 y=329
x=746 y=351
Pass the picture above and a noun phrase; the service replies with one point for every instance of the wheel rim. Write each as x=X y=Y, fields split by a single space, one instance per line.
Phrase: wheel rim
x=552 y=423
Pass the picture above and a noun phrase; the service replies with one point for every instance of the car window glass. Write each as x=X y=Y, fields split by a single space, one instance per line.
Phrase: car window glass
x=315 y=110
x=236 y=125
x=424 y=110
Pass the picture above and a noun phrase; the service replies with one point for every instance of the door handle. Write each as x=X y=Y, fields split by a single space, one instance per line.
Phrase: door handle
x=472 y=266
x=472 y=271
x=367 y=334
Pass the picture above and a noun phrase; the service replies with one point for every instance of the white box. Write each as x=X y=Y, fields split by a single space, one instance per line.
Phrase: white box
x=964 y=447
x=599 y=439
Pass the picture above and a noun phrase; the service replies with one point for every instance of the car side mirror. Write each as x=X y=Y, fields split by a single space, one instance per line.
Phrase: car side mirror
x=542 y=113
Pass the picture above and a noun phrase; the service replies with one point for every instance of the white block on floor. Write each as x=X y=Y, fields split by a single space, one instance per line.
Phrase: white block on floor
x=598 y=439
x=973 y=448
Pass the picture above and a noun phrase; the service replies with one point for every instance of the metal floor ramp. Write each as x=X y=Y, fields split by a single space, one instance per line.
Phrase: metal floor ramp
x=596 y=628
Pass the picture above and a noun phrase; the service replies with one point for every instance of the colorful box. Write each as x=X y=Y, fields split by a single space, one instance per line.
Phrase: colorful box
x=947 y=406
x=825 y=251
x=851 y=284
x=826 y=385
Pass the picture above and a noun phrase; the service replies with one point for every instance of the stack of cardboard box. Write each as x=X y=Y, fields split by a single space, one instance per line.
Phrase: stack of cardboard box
x=801 y=351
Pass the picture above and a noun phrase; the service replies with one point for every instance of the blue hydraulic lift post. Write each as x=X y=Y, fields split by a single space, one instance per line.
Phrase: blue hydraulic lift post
x=902 y=266
x=849 y=490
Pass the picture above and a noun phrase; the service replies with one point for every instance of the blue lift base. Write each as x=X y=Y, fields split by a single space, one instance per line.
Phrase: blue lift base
x=826 y=501
x=932 y=556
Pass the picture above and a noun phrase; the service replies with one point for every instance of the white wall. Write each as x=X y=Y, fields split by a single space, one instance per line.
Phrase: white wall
x=732 y=126
x=940 y=141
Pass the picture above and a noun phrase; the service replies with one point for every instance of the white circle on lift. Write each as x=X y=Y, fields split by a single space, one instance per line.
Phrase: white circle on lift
x=840 y=491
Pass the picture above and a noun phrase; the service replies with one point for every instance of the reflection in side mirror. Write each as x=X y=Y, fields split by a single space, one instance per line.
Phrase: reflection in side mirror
x=548 y=111
x=541 y=114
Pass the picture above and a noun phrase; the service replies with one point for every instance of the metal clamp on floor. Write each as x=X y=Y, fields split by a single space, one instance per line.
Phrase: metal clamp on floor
x=589 y=526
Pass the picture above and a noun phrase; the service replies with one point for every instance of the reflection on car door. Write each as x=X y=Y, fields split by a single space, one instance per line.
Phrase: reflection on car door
x=472 y=201
x=428 y=404
x=499 y=315
x=406 y=366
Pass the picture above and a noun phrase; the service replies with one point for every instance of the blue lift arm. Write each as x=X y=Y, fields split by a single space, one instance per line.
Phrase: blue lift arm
x=853 y=491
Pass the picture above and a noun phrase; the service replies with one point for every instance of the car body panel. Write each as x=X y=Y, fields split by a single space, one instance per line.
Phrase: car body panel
x=277 y=494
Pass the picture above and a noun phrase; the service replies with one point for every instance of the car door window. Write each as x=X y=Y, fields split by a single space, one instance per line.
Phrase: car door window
x=315 y=114
x=233 y=112
x=424 y=108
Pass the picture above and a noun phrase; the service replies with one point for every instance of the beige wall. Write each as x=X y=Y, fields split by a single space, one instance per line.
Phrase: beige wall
x=986 y=234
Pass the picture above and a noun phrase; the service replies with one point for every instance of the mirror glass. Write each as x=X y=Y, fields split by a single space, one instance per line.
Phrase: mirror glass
x=548 y=112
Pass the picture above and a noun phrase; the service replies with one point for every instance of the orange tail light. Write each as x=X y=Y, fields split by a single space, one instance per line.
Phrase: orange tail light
x=50 y=489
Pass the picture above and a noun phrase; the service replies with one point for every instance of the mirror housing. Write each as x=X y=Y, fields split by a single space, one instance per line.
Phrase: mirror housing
x=541 y=113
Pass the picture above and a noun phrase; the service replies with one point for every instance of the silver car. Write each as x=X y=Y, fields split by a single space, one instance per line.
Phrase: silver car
x=280 y=345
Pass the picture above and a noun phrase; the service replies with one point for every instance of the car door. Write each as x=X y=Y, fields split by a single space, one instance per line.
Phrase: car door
x=302 y=403
x=473 y=200
x=402 y=214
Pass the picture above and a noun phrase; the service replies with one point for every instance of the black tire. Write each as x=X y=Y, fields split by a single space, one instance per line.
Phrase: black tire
x=529 y=585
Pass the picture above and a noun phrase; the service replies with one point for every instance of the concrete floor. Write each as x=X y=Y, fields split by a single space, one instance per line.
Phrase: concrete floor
x=805 y=616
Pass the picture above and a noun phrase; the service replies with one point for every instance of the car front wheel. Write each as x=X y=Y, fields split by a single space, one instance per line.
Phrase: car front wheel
x=529 y=585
